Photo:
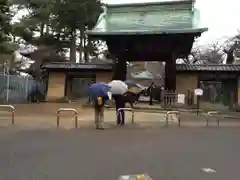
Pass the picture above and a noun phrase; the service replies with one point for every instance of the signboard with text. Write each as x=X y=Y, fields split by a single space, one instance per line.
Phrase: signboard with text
x=198 y=92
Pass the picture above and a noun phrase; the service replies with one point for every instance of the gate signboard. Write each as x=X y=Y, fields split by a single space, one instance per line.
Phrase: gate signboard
x=198 y=92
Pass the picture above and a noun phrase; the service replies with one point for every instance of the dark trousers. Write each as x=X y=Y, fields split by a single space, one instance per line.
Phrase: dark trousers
x=119 y=101
x=151 y=99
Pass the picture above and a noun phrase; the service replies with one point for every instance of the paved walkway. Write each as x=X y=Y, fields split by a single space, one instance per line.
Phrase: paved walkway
x=166 y=154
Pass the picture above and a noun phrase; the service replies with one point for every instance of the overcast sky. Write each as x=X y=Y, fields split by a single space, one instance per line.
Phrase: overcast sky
x=220 y=16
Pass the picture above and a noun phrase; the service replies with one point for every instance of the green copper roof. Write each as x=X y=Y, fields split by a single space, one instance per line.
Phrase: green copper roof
x=149 y=18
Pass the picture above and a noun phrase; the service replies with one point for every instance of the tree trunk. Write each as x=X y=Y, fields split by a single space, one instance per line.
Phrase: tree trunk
x=47 y=29
x=80 y=51
x=42 y=29
x=73 y=48
x=120 y=70
x=81 y=45
x=230 y=58
x=86 y=44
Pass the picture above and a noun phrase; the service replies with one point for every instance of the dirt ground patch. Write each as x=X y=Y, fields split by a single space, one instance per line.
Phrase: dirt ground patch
x=44 y=116
x=45 y=108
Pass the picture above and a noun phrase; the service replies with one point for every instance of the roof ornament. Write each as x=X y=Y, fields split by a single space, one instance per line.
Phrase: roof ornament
x=102 y=16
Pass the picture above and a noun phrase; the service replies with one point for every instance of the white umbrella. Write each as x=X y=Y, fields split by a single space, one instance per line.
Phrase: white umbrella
x=118 y=87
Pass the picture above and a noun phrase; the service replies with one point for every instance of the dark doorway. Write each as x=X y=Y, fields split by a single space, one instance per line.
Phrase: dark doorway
x=78 y=85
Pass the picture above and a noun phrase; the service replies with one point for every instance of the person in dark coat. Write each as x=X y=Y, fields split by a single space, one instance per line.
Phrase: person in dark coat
x=150 y=90
x=120 y=103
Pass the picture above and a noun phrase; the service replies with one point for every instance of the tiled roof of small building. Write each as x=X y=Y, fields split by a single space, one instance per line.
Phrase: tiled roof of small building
x=179 y=67
x=211 y=67
x=69 y=65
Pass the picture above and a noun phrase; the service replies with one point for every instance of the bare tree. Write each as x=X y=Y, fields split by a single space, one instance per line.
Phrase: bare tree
x=232 y=49
x=212 y=54
x=40 y=56
x=230 y=54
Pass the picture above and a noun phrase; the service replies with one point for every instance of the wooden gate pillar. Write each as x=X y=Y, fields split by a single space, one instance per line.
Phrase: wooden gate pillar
x=120 y=69
x=170 y=74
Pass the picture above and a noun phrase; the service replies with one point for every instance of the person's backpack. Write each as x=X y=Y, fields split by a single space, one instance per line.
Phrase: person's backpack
x=99 y=100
